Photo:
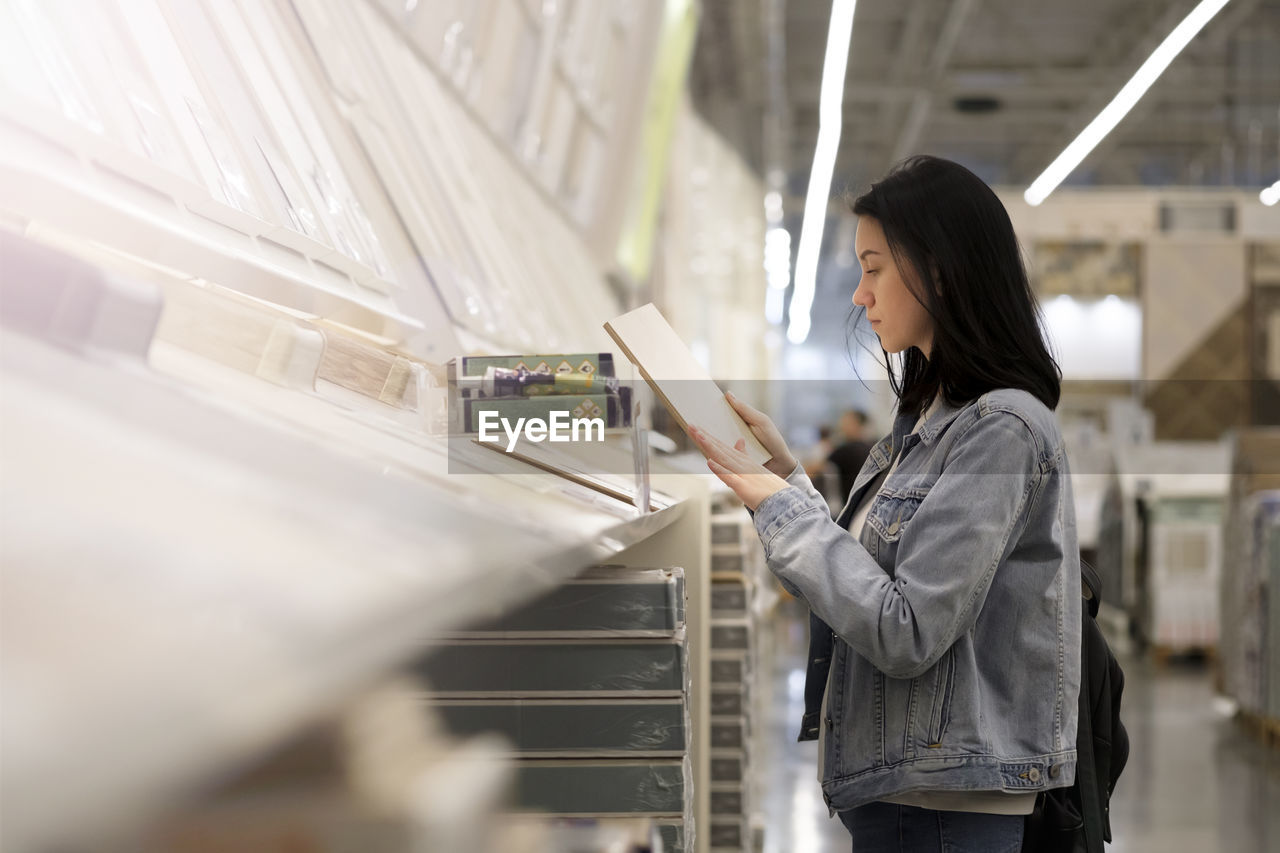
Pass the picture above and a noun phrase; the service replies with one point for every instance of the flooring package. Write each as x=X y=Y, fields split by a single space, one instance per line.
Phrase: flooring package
x=606 y=600
x=594 y=788
x=530 y=668
x=576 y=727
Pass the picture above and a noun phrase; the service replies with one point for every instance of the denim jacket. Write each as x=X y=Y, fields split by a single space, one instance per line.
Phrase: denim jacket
x=947 y=636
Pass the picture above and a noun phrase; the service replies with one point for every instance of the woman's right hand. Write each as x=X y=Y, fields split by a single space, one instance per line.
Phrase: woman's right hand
x=781 y=462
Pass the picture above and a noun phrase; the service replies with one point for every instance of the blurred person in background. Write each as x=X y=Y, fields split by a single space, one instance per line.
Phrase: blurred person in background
x=850 y=455
x=944 y=639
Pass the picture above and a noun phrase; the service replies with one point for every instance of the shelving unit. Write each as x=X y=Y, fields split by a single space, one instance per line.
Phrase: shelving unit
x=240 y=240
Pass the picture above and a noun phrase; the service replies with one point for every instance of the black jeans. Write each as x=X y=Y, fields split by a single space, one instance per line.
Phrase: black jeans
x=890 y=828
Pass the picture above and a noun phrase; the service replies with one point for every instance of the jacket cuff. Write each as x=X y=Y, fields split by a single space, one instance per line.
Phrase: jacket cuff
x=809 y=726
x=778 y=510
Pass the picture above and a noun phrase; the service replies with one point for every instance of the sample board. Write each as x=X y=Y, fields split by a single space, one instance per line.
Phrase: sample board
x=668 y=365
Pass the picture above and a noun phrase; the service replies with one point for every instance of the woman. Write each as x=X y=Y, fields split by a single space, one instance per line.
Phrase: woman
x=944 y=636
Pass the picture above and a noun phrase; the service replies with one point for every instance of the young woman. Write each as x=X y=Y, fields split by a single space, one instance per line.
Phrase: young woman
x=945 y=599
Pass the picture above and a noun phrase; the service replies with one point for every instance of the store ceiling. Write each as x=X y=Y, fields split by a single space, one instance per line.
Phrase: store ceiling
x=1000 y=85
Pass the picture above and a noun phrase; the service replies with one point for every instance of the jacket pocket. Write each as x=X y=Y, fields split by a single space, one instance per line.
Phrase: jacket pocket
x=891 y=513
x=943 y=687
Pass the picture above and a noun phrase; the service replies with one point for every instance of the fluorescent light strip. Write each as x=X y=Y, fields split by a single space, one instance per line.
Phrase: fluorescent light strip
x=1120 y=105
x=830 y=114
x=1270 y=195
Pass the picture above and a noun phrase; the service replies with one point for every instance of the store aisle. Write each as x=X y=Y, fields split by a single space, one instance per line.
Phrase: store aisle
x=1196 y=782
x=795 y=817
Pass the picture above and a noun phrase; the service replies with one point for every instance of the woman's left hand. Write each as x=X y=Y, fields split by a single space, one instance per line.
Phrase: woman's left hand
x=749 y=481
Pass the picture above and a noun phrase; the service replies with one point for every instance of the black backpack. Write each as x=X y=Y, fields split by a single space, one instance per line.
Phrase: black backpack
x=1076 y=819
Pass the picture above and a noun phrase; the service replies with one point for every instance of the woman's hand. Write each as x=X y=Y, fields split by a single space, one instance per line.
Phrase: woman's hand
x=749 y=481
x=781 y=461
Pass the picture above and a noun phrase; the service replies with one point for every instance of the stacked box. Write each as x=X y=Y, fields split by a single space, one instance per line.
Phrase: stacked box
x=1243 y=649
x=735 y=557
x=1185 y=571
x=1270 y=561
x=1261 y=663
x=589 y=684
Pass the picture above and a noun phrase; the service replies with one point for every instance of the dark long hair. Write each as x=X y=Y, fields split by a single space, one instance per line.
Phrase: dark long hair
x=955 y=247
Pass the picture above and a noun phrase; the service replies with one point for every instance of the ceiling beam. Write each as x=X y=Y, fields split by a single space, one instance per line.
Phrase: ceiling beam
x=909 y=137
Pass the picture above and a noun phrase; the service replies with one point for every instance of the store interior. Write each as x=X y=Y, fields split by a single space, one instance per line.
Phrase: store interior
x=267 y=585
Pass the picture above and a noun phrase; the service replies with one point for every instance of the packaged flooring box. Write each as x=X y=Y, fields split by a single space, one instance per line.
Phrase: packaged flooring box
x=727 y=560
x=673 y=835
x=604 y=787
x=1271 y=564
x=727 y=800
x=605 y=601
x=654 y=728
x=729 y=732
x=728 y=834
x=728 y=766
x=730 y=667
x=729 y=597
x=729 y=528
x=729 y=702
x=530 y=668
x=731 y=634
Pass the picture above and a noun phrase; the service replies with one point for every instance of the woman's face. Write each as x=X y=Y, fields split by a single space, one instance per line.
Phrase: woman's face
x=895 y=313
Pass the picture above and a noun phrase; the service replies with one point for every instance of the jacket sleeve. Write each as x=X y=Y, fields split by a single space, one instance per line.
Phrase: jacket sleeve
x=947 y=555
x=801 y=481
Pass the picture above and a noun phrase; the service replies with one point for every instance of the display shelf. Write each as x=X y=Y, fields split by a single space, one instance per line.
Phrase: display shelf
x=169 y=549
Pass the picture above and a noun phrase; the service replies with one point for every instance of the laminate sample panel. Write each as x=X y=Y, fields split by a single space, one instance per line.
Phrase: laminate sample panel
x=679 y=381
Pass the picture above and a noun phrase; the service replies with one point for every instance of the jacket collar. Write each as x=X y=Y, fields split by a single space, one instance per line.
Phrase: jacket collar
x=935 y=424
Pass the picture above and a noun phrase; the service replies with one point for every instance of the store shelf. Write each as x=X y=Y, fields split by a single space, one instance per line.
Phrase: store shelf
x=191 y=575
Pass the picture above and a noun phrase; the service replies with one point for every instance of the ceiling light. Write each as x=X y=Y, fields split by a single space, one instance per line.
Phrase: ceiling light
x=1270 y=195
x=830 y=108
x=1120 y=105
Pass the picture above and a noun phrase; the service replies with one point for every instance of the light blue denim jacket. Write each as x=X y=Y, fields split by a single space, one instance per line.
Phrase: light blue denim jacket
x=951 y=657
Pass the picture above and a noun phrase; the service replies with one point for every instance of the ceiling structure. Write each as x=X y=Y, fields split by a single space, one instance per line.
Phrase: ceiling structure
x=999 y=85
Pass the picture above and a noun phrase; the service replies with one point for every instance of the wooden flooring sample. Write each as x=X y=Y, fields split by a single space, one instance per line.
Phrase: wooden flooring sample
x=681 y=383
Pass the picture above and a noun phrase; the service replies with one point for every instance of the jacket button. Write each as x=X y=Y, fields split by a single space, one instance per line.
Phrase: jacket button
x=1055 y=771
x=893 y=528
x=1034 y=774
x=830 y=724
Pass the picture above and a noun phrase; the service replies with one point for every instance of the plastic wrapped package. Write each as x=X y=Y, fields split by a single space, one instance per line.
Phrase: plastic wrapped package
x=604 y=787
x=576 y=727
x=528 y=668
x=605 y=601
